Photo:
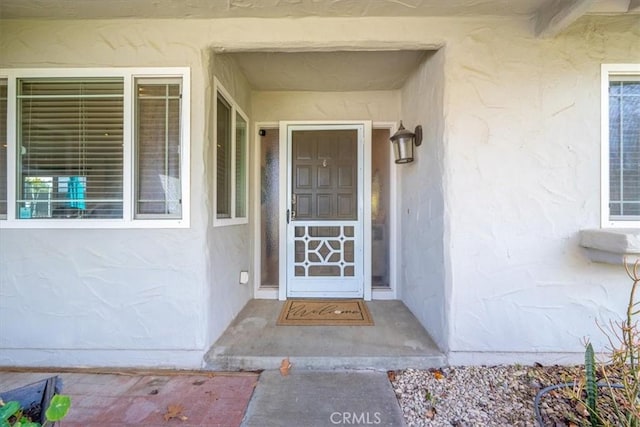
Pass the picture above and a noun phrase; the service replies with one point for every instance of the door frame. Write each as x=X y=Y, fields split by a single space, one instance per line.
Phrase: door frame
x=260 y=292
x=287 y=128
x=366 y=195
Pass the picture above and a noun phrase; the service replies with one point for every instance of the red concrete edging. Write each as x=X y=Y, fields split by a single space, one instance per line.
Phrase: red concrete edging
x=150 y=398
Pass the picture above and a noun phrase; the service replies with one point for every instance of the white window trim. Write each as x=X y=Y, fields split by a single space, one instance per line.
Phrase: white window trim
x=129 y=74
x=608 y=70
x=218 y=88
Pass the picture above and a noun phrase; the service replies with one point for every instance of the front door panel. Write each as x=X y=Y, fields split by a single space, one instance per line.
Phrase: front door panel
x=325 y=228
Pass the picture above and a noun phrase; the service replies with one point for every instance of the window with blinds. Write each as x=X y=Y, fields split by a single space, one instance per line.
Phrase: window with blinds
x=232 y=136
x=3 y=148
x=223 y=158
x=70 y=152
x=158 y=148
x=241 y=166
x=624 y=148
x=94 y=147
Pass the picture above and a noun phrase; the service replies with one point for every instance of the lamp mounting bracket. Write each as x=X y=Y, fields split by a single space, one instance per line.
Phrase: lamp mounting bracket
x=418 y=132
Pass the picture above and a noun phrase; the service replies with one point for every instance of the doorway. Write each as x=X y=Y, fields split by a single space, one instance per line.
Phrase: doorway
x=325 y=215
x=273 y=166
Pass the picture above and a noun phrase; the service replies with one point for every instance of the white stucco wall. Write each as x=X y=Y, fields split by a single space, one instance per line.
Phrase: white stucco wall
x=519 y=162
x=423 y=237
x=90 y=297
x=523 y=153
x=111 y=297
x=230 y=245
x=294 y=105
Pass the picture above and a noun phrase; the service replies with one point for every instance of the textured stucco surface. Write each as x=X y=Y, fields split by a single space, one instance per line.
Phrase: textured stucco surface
x=197 y=9
x=523 y=150
x=423 y=236
x=71 y=295
x=374 y=105
x=69 y=9
x=491 y=209
x=230 y=245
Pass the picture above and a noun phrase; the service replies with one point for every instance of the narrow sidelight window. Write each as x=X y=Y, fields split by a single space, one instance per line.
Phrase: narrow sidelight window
x=158 y=146
x=3 y=148
x=223 y=158
x=241 y=166
x=231 y=160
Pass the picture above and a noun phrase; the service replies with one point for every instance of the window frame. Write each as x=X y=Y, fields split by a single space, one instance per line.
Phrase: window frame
x=129 y=75
x=219 y=90
x=607 y=71
x=138 y=81
x=4 y=82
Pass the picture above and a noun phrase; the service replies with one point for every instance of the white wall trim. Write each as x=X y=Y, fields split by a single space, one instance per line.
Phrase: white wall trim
x=178 y=358
x=266 y=293
x=383 y=294
x=366 y=202
x=283 y=153
x=493 y=358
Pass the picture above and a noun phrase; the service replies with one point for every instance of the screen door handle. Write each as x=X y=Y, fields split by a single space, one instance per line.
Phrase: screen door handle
x=291 y=215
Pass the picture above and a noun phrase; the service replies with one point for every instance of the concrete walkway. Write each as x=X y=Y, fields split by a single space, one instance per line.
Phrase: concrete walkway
x=338 y=376
x=319 y=399
x=253 y=341
x=128 y=398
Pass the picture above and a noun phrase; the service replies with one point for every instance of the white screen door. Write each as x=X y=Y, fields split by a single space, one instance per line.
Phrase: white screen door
x=325 y=256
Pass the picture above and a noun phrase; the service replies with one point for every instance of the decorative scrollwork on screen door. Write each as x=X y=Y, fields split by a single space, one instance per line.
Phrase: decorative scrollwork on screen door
x=324 y=251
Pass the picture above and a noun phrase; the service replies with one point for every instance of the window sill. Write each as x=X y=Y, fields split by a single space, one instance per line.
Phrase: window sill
x=611 y=246
x=229 y=221
x=93 y=223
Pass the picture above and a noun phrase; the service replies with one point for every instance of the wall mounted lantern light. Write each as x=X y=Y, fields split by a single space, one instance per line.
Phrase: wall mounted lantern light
x=403 y=142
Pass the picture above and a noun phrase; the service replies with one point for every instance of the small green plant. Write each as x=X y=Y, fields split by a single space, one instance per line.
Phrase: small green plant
x=615 y=399
x=12 y=414
x=622 y=373
x=591 y=385
x=620 y=383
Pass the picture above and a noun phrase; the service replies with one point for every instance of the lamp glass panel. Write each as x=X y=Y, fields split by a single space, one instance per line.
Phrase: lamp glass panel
x=403 y=150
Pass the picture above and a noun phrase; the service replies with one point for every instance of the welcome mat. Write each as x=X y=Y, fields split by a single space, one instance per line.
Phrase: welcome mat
x=325 y=312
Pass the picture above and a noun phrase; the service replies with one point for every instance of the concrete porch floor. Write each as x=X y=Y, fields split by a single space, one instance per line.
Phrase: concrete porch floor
x=254 y=341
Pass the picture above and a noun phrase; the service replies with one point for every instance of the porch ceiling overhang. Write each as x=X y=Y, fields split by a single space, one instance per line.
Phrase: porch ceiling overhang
x=328 y=71
x=550 y=16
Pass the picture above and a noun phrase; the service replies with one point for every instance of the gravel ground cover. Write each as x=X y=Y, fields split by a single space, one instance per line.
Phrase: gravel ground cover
x=486 y=396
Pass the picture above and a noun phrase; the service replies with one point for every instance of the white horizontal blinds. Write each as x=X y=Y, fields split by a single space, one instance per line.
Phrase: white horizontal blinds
x=624 y=148
x=158 y=186
x=3 y=148
x=70 y=148
x=223 y=158
x=241 y=162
